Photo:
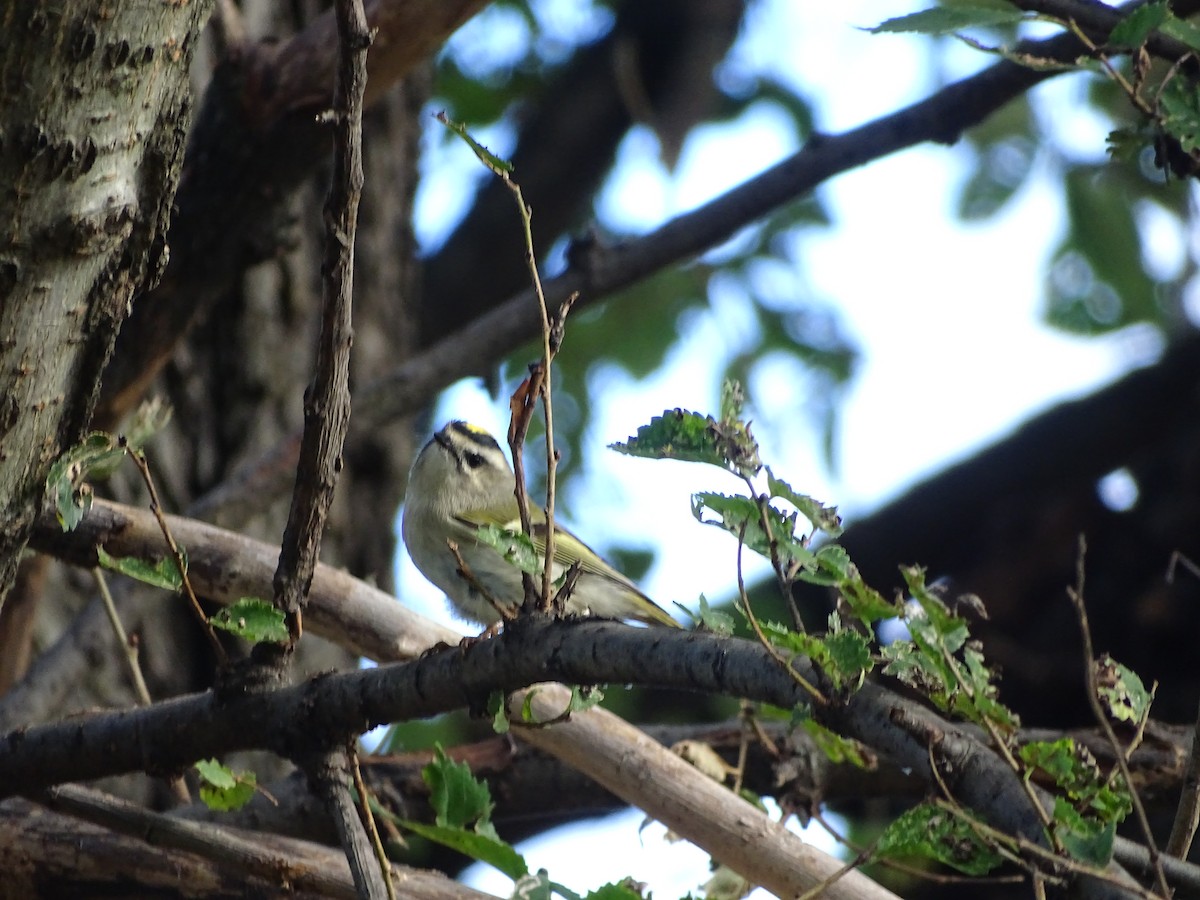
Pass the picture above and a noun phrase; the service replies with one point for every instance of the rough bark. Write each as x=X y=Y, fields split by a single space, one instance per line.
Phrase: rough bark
x=95 y=104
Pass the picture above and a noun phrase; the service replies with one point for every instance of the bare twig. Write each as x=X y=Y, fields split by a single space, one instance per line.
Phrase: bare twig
x=1187 y=815
x=128 y=647
x=364 y=801
x=327 y=400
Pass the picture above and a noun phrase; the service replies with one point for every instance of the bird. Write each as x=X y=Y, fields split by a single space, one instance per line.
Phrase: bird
x=460 y=481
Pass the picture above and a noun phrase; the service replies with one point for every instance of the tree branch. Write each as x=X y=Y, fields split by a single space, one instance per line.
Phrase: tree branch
x=314 y=714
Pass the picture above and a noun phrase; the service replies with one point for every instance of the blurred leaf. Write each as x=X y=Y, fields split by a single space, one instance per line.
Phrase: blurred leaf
x=222 y=789
x=65 y=481
x=1179 y=112
x=945 y=20
x=715 y=620
x=160 y=573
x=1181 y=29
x=1002 y=170
x=1097 y=282
x=838 y=749
x=1133 y=30
x=252 y=619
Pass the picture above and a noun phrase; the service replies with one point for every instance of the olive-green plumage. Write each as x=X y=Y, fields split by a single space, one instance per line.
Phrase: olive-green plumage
x=460 y=481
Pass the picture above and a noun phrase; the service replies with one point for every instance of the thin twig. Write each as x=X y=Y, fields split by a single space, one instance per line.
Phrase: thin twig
x=1093 y=691
x=128 y=647
x=129 y=650
x=364 y=801
x=327 y=400
x=775 y=652
x=139 y=459
x=465 y=573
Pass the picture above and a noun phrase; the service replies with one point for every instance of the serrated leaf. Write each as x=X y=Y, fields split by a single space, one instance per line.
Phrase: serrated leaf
x=825 y=518
x=161 y=573
x=849 y=656
x=221 y=788
x=491 y=850
x=65 y=480
x=929 y=832
x=458 y=798
x=691 y=437
x=252 y=619
x=946 y=20
x=741 y=517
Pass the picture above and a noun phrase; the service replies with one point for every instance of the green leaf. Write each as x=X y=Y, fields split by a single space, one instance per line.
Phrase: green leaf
x=1002 y=170
x=945 y=20
x=162 y=573
x=1097 y=283
x=741 y=517
x=252 y=619
x=150 y=418
x=1179 y=112
x=65 y=480
x=515 y=546
x=825 y=518
x=221 y=788
x=839 y=749
x=497 y=705
x=485 y=848
x=715 y=620
x=1181 y=29
x=1122 y=691
x=458 y=798
x=1133 y=30
x=614 y=891
x=691 y=437
x=929 y=832
x=1085 y=839
x=849 y=656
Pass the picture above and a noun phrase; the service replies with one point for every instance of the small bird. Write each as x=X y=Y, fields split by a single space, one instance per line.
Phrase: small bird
x=460 y=481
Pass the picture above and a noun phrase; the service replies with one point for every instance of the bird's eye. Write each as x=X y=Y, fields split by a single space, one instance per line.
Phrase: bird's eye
x=474 y=460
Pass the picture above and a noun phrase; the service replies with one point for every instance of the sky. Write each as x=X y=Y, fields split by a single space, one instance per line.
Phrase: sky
x=947 y=317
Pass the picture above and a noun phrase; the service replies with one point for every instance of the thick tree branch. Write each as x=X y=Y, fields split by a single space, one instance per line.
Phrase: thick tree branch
x=312 y=715
x=73 y=859
x=224 y=567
